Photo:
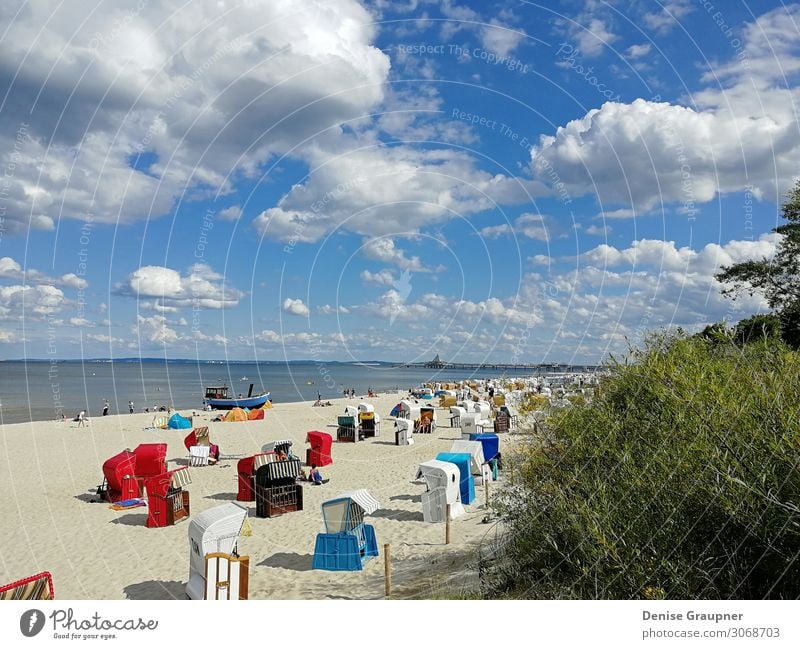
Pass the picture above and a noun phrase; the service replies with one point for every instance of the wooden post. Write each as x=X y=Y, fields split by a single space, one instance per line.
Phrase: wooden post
x=486 y=490
x=447 y=526
x=387 y=568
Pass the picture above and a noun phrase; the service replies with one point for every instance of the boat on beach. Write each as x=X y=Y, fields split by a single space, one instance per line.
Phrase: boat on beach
x=217 y=397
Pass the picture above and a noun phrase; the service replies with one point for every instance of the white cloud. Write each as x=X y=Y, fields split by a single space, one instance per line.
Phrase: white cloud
x=8 y=336
x=495 y=231
x=327 y=309
x=154 y=329
x=203 y=103
x=111 y=340
x=383 y=277
x=533 y=226
x=200 y=288
x=231 y=213
x=647 y=153
x=295 y=307
x=664 y=255
x=25 y=301
x=80 y=322
x=637 y=51
x=378 y=190
x=594 y=37
x=596 y=230
x=384 y=250
x=11 y=269
x=499 y=38
x=770 y=55
x=669 y=15
x=617 y=214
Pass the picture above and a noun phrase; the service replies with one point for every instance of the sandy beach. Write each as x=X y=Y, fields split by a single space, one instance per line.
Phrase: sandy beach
x=50 y=471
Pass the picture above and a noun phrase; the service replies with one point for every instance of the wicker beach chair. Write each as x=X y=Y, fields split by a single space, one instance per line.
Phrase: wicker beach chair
x=36 y=587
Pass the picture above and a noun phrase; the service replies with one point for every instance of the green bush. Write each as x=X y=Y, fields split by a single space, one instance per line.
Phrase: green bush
x=679 y=480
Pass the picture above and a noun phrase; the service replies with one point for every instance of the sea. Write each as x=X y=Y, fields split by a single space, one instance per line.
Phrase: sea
x=43 y=390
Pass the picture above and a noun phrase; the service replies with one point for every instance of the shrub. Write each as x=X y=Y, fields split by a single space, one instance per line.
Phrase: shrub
x=679 y=480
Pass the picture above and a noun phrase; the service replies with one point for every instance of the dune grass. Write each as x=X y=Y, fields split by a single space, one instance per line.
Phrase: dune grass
x=678 y=480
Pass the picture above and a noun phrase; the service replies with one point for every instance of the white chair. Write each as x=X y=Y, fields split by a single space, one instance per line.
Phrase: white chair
x=198 y=455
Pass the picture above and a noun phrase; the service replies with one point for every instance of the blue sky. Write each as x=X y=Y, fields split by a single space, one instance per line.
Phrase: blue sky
x=509 y=181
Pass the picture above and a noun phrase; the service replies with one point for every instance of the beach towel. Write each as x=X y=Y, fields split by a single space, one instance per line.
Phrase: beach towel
x=127 y=504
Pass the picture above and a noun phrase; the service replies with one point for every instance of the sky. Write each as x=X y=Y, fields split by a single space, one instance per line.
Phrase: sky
x=342 y=180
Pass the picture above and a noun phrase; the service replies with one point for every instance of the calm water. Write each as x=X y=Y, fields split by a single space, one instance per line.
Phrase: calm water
x=38 y=391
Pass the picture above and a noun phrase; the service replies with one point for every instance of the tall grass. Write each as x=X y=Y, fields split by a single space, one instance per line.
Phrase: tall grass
x=679 y=480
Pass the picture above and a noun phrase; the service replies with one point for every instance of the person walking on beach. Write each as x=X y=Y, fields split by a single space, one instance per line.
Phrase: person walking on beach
x=130 y=406
x=105 y=408
x=81 y=419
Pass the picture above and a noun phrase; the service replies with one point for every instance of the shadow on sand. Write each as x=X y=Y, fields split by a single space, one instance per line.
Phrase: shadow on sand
x=156 y=590
x=225 y=496
x=289 y=560
x=137 y=520
x=409 y=497
x=398 y=514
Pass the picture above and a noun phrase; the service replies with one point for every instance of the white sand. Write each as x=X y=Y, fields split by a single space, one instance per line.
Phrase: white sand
x=50 y=470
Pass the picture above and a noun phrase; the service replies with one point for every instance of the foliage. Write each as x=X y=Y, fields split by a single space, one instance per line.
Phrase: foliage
x=679 y=480
x=777 y=279
x=757 y=327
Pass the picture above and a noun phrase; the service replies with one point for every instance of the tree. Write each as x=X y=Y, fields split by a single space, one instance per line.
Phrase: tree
x=777 y=279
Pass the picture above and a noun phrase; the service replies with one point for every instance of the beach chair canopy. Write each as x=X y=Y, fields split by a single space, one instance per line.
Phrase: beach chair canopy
x=365 y=407
x=403 y=424
x=347 y=511
x=215 y=530
x=510 y=410
x=484 y=408
x=467 y=482
x=35 y=587
x=320 y=451
x=178 y=421
x=351 y=411
x=395 y=412
x=118 y=467
x=198 y=437
x=236 y=414
x=255 y=414
x=278 y=445
x=151 y=459
x=427 y=412
x=457 y=411
x=441 y=475
x=160 y=485
x=281 y=471
x=318 y=439
x=260 y=459
x=490 y=443
x=475 y=449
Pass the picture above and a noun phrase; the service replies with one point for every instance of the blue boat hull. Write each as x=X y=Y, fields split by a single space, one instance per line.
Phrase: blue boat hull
x=244 y=402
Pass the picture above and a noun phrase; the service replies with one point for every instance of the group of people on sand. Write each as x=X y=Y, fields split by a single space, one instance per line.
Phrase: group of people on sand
x=313 y=476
